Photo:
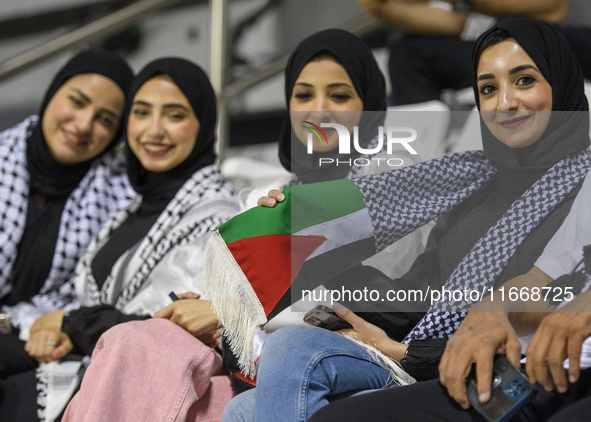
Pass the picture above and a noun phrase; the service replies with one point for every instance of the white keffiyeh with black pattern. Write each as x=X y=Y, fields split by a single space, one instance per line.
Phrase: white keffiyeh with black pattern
x=103 y=191
x=203 y=203
x=168 y=259
x=487 y=259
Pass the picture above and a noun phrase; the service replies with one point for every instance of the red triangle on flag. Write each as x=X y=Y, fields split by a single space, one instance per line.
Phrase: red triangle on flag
x=271 y=263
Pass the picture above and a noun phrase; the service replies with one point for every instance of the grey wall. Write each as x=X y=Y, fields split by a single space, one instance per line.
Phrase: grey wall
x=18 y=8
x=301 y=18
x=180 y=32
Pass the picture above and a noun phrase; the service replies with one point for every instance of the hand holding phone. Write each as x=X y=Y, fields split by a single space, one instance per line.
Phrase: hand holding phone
x=325 y=317
x=510 y=391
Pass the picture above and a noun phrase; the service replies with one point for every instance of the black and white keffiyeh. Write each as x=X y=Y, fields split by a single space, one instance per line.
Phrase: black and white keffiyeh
x=189 y=200
x=203 y=203
x=414 y=197
x=557 y=162
x=479 y=269
x=104 y=190
x=142 y=278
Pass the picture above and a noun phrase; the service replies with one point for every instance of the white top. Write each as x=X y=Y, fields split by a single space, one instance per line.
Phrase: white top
x=565 y=250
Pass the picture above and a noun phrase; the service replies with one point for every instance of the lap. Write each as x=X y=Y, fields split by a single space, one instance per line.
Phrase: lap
x=395 y=404
x=297 y=352
x=241 y=408
x=425 y=401
x=577 y=412
x=20 y=400
x=159 y=369
x=13 y=357
x=300 y=341
x=316 y=365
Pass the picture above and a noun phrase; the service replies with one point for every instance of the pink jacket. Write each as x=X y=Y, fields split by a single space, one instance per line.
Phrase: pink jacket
x=151 y=371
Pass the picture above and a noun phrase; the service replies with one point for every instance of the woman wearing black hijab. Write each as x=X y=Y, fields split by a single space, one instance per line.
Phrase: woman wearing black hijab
x=487 y=239
x=364 y=89
x=333 y=77
x=51 y=167
x=153 y=246
x=62 y=179
x=565 y=134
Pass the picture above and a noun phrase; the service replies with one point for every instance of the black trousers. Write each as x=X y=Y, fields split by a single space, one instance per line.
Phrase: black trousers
x=577 y=412
x=421 y=67
x=429 y=402
x=13 y=358
x=18 y=383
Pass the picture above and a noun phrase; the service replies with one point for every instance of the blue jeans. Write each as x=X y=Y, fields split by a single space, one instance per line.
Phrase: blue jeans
x=300 y=370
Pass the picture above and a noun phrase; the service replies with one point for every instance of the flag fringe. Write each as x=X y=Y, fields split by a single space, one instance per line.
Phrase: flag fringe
x=233 y=300
x=398 y=374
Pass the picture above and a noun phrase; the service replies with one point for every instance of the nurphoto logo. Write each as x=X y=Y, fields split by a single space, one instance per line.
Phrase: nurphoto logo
x=393 y=136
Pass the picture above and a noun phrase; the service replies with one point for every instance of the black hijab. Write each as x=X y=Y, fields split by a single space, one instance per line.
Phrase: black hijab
x=49 y=178
x=54 y=181
x=566 y=133
x=157 y=189
x=357 y=59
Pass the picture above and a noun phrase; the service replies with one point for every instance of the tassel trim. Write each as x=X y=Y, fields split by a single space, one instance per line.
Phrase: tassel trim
x=43 y=374
x=398 y=375
x=233 y=300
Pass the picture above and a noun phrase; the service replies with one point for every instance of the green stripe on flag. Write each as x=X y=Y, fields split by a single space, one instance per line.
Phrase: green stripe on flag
x=259 y=221
x=304 y=206
x=317 y=203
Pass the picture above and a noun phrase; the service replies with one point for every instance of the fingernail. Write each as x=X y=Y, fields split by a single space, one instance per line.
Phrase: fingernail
x=55 y=355
x=271 y=201
x=483 y=397
x=337 y=307
x=572 y=379
x=281 y=196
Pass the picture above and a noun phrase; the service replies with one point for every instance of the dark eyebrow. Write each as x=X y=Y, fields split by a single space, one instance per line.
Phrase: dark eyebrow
x=89 y=101
x=485 y=76
x=522 y=67
x=83 y=95
x=112 y=113
x=335 y=85
x=338 y=84
x=143 y=103
x=165 y=106
x=511 y=72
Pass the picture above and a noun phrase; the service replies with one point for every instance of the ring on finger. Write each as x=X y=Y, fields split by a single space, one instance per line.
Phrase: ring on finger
x=49 y=342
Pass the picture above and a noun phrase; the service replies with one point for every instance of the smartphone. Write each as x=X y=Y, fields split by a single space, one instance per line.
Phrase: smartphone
x=510 y=391
x=324 y=317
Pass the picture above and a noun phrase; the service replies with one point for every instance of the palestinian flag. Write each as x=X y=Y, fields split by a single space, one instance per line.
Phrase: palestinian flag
x=320 y=230
x=254 y=259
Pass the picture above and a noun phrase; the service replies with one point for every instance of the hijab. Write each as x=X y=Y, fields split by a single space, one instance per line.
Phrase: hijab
x=157 y=189
x=54 y=181
x=357 y=59
x=566 y=133
x=48 y=177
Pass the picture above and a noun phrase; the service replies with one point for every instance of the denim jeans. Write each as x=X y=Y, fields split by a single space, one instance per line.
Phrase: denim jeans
x=300 y=370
